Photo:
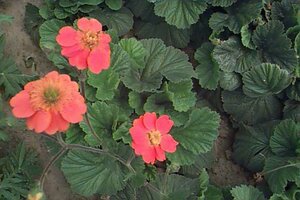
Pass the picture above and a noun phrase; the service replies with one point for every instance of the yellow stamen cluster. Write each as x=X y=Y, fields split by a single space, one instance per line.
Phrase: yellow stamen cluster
x=154 y=137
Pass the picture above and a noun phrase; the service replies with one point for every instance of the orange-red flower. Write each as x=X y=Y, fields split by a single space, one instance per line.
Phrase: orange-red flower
x=86 y=47
x=151 y=138
x=49 y=104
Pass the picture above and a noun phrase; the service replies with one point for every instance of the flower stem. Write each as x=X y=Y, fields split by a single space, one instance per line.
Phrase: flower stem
x=61 y=152
x=82 y=79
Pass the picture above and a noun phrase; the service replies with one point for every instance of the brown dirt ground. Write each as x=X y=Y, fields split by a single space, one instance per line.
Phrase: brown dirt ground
x=19 y=46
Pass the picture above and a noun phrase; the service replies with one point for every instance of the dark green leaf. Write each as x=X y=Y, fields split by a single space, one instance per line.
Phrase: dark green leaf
x=230 y=81
x=251 y=110
x=208 y=69
x=285 y=139
x=244 y=192
x=278 y=49
x=231 y=56
x=199 y=133
x=266 y=79
x=181 y=13
x=114 y=4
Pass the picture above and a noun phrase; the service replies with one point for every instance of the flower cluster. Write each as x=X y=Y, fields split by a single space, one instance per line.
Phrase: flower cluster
x=50 y=104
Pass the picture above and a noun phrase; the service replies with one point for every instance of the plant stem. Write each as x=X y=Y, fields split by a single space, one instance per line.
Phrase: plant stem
x=278 y=168
x=52 y=161
x=82 y=79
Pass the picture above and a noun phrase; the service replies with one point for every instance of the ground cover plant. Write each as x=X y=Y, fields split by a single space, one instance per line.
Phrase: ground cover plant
x=138 y=92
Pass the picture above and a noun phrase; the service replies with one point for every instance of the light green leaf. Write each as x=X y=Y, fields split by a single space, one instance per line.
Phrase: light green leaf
x=278 y=50
x=231 y=56
x=160 y=61
x=199 y=132
x=181 y=13
x=171 y=35
x=245 y=192
x=135 y=50
x=266 y=79
x=208 y=69
x=6 y=18
x=106 y=83
x=181 y=95
x=279 y=170
x=249 y=110
x=230 y=81
x=169 y=187
x=251 y=145
x=114 y=4
x=285 y=139
x=121 y=20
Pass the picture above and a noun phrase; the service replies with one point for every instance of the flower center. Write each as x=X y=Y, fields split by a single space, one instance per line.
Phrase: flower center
x=51 y=95
x=90 y=39
x=154 y=137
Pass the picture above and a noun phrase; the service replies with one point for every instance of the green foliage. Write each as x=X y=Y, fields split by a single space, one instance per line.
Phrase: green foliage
x=244 y=192
x=207 y=70
x=11 y=79
x=266 y=79
x=17 y=170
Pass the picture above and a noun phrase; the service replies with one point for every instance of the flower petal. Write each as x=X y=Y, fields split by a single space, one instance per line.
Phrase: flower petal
x=67 y=36
x=139 y=135
x=149 y=155
x=105 y=39
x=40 y=121
x=164 y=124
x=168 y=143
x=86 y=24
x=99 y=59
x=149 y=120
x=80 y=59
x=71 y=51
x=21 y=105
x=160 y=154
x=73 y=112
x=57 y=124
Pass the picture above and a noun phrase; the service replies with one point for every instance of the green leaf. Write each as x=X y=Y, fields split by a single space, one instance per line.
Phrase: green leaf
x=181 y=13
x=181 y=95
x=114 y=4
x=222 y=3
x=181 y=156
x=284 y=12
x=230 y=81
x=120 y=60
x=285 y=139
x=251 y=145
x=249 y=110
x=278 y=50
x=171 y=35
x=266 y=79
x=120 y=21
x=278 y=171
x=75 y=135
x=208 y=191
x=231 y=56
x=122 y=133
x=10 y=77
x=246 y=35
x=136 y=102
x=135 y=51
x=199 y=132
x=169 y=187
x=90 y=173
x=103 y=119
x=293 y=92
x=89 y=2
x=6 y=18
x=160 y=61
x=208 y=69
x=237 y=15
x=106 y=83
x=156 y=103
x=245 y=192
x=292 y=110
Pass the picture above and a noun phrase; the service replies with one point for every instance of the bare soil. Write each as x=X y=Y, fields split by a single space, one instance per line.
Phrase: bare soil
x=19 y=46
